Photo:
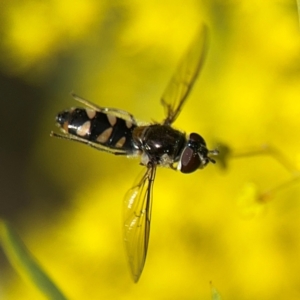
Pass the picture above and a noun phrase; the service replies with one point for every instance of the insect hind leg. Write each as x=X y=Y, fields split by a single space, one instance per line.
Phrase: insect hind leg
x=89 y=143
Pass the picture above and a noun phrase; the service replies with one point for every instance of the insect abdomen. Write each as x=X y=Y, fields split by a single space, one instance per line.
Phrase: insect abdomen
x=97 y=127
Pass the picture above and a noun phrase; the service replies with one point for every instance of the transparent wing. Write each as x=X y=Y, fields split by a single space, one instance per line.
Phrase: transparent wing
x=182 y=81
x=122 y=114
x=137 y=217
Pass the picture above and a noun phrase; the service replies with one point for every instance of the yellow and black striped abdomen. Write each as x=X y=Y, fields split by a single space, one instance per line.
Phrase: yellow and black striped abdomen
x=98 y=127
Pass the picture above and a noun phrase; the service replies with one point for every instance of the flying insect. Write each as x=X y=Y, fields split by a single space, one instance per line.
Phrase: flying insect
x=157 y=144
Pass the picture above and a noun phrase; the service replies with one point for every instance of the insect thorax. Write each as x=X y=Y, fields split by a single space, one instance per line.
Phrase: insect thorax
x=160 y=144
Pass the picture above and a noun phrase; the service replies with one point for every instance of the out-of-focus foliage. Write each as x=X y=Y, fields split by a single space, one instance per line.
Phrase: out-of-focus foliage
x=65 y=199
x=25 y=263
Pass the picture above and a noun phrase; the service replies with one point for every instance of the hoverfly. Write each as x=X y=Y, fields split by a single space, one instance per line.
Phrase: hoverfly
x=157 y=144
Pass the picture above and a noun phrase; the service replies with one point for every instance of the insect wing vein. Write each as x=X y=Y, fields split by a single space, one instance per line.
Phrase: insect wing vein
x=182 y=81
x=137 y=217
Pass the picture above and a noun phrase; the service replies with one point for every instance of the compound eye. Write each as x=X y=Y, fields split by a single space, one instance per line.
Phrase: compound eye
x=189 y=161
x=196 y=138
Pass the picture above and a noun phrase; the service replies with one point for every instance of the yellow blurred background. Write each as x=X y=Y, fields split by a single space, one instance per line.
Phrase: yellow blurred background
x=65 y=199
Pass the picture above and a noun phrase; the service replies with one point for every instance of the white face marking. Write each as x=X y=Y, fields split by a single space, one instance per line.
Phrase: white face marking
x=104 y=136
x=90 y=113
x=112 y=119
x=128 y=124
x=179 y=166
x=121 y=142
x=84 y=129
